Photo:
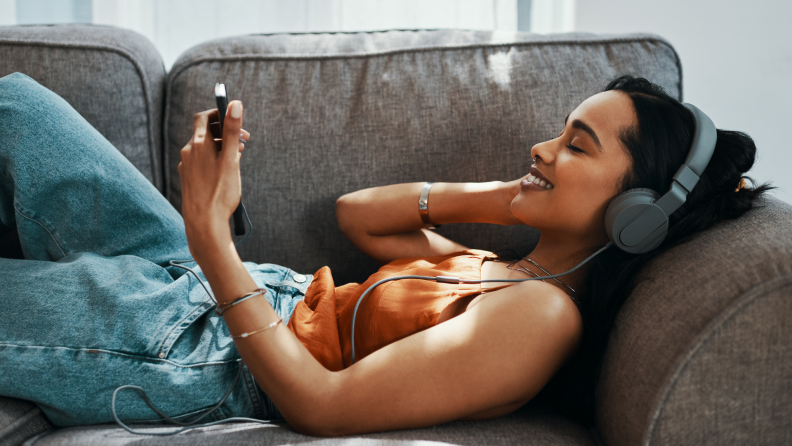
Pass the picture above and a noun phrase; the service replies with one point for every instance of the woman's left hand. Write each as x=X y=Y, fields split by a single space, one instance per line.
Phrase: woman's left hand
x=210 y=181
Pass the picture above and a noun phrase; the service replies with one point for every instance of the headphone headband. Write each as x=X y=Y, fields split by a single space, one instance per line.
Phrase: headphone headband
x=636 y=220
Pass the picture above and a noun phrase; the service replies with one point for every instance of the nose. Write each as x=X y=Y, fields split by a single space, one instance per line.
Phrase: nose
x=543 y=151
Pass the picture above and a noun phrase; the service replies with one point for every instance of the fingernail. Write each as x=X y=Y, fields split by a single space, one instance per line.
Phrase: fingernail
x=236 y=110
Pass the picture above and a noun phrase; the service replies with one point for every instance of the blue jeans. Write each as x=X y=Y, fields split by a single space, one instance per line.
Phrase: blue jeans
x=95 y=304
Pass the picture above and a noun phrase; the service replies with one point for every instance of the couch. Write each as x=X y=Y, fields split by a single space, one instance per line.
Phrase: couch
x=701 y=353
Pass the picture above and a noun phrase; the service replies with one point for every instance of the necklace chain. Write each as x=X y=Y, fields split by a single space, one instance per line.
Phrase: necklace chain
x=516 y=266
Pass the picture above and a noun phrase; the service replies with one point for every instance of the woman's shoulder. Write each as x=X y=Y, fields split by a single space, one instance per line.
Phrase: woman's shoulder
x=538 y=302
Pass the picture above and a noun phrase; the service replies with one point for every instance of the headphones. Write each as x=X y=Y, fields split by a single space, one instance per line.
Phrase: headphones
x=637 y=220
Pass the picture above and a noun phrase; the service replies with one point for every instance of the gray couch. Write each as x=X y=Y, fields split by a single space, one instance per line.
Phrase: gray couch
x=702 y=351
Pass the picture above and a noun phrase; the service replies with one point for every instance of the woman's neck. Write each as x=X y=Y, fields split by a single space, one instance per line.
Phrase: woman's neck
x=560 y=254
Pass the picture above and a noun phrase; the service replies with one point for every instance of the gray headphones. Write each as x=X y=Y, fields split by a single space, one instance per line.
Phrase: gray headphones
x=637 y=220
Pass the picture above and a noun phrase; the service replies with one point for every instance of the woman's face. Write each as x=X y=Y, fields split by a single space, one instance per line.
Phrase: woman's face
x=585 y=165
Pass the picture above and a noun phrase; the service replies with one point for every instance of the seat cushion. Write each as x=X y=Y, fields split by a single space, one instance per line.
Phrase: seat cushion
x=333 y=113
x=533 y=425
x=20 y=420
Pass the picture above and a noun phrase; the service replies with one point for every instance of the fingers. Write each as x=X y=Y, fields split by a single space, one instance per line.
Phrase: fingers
x=214 y=127
x=232 y=129
x=201 y=127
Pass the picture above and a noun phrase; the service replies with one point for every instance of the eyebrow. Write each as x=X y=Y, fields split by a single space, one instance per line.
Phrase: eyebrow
x=580 y=125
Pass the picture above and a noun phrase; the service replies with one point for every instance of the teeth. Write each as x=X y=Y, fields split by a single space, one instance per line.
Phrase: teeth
x=538 y=182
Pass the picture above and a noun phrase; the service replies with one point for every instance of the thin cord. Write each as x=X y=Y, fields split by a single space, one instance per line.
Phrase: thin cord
x=179 y=264
x=188 y=425
x=444 y=279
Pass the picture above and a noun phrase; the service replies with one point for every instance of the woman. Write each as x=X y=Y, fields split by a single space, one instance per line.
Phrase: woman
x=426 y=352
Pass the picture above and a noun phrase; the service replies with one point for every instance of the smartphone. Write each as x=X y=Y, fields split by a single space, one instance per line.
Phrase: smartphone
x=221 y=96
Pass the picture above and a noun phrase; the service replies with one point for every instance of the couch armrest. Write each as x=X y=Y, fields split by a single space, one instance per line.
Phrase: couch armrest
x=702 y=351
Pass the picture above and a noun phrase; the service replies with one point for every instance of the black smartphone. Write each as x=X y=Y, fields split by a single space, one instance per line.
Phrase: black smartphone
x=221 y=96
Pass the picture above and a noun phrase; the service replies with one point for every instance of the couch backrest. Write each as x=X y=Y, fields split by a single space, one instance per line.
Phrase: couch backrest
x=333 y=113
x=113 y=77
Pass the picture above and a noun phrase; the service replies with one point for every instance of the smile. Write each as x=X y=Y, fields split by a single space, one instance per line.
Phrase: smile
x=530 y=184
x=539 y=182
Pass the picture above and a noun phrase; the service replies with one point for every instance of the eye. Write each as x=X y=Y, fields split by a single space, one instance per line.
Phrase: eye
x=574 y=149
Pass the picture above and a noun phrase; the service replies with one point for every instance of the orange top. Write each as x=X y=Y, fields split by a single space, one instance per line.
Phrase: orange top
x=392 y=311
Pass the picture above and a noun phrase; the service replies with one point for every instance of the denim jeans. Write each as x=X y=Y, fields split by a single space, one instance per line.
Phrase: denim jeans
x=95 y=304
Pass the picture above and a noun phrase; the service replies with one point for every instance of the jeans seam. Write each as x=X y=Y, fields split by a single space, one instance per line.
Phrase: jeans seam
x=182 y=325
x=126 y=355
x=253 y=393
x=22 y=214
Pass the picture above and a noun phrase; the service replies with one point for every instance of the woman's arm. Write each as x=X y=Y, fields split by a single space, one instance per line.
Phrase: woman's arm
x=384 y=221
x=486 y=362
x=489 y=360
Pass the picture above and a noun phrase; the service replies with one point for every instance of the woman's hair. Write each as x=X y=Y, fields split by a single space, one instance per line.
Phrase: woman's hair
x=657 y=146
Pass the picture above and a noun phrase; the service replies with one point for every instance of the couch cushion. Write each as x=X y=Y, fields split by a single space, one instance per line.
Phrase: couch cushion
x=20 y=420
x=702 y=351
x=113 y=77
x=534 y=424
x=333 y=113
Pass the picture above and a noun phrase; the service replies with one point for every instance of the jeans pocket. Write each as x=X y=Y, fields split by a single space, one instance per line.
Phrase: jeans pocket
x=192 y=326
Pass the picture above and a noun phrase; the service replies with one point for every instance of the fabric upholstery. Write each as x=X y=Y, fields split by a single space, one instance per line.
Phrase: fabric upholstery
x=333 y=113
x=702 y=350
x=533 y=425
x=114 y=78
x=20 y=420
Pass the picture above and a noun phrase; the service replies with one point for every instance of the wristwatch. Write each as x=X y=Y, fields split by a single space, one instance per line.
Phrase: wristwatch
x=423 y=206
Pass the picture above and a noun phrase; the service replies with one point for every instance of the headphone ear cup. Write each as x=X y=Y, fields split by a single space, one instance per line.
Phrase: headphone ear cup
x=646 y=223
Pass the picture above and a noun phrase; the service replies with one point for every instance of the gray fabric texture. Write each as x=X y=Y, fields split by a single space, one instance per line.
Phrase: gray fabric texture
x=702 y=351
x=19 y=420
x=333 y=113
x=531 y=425
x=113 y=77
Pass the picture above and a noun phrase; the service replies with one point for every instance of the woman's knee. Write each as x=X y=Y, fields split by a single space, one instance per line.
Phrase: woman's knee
x=23 y=101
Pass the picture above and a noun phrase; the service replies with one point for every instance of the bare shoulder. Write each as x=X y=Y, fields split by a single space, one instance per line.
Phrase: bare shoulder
x=554 y=306
x=540 y=304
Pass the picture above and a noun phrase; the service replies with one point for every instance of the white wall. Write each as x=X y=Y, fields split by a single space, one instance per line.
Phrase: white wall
x=7 y=12
x=176 y=25
x=736 y=64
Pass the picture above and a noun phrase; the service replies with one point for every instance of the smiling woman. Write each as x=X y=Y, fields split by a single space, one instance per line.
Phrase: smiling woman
x=422 y=341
